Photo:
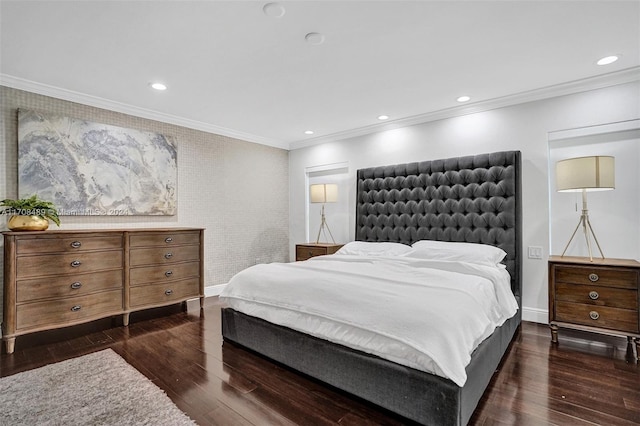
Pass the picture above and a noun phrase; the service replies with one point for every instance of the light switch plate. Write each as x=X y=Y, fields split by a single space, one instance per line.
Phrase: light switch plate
x=535 y=252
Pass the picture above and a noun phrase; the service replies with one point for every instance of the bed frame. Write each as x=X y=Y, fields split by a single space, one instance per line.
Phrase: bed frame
x=475 y=199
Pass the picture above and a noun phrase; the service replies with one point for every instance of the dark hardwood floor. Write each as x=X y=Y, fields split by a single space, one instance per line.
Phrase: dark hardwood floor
x=578 y=382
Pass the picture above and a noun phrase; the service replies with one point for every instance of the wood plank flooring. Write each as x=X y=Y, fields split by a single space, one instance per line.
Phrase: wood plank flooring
x=577 y=382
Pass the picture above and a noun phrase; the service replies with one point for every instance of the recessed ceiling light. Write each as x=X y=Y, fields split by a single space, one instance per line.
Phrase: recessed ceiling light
x=158 y=86
x=383 y=117
x=308 y=132
x=273 y=10
x=608 y=60
x=463 y=99
x=314 y=38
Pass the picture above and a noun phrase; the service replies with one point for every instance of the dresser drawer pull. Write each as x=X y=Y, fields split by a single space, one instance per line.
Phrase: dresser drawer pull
x=168 y=255
x=168 y=240
x=75 y=263
x=76 y=285
x=594 y=315
x=593 y=277
x=168 y=273
x=593 y=295
x=76 y=308
x=76 y=244
x=168 y=292
x=310 y=253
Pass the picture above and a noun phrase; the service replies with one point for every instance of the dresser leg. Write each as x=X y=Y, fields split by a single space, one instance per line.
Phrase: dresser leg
x=202 y=303
x=554 y=333
x=637 y=340
x=10 y=344
x=125 y=319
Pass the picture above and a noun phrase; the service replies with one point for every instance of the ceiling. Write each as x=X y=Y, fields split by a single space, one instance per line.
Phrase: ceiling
x=235 y=70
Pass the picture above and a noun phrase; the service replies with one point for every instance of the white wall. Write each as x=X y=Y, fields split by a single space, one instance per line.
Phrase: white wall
x=524 y=127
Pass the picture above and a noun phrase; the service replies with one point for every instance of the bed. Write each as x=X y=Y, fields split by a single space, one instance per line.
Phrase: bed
x=472 y=199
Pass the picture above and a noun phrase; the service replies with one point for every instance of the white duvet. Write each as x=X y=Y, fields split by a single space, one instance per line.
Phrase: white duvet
x=424 y=314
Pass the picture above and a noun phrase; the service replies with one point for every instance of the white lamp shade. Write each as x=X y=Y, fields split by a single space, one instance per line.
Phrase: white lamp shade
x=596 y=173
x=324 y=193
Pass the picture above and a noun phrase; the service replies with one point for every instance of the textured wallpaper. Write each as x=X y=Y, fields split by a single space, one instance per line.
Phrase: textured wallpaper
x=237 y=190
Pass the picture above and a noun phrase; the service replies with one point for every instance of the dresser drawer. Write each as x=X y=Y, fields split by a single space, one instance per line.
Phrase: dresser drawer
x=605 y=317
x=73 y=263
x=68 y=310
x=597 y=295
x=75 y=243
x=307 y=252
x=587 y=275
x=164 y=273
x=164 y=239
x=165 y=293
x=163 y=255
x=67 y=285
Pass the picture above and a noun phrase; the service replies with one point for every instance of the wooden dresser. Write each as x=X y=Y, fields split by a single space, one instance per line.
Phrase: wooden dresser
x=309 y=250
x=600 y=296
x=55 y=279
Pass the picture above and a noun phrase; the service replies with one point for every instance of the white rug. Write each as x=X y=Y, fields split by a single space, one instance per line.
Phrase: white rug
x=96 y=389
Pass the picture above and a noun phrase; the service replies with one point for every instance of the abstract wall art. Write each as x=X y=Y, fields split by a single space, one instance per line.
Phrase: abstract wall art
x=88 y=168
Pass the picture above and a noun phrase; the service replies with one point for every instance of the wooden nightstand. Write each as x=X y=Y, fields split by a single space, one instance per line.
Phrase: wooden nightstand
x=599 y=296
x=309 y=250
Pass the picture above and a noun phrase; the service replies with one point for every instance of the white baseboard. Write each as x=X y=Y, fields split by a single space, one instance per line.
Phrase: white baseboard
x=214 y=290
x=535 y=315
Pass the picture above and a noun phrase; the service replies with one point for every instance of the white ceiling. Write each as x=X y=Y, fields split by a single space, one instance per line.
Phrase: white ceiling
x=233 y=70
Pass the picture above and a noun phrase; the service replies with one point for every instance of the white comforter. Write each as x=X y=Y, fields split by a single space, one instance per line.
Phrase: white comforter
x=425 y=314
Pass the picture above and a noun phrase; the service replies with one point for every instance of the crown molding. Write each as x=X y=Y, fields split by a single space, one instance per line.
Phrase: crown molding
x=94 y=101
x=592 y=83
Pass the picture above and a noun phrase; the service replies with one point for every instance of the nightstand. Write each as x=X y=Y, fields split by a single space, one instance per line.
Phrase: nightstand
x=309 y=250
x=599 y=296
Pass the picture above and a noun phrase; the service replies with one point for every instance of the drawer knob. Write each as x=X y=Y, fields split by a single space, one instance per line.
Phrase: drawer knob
x=168 y=255
x=75 y=263
x=593 y=277
x=76 y=308
x=594 y=315
x=310 y=253
x=168 y=292
x=76 y=244
x=76 y=285
x=593 y=295
x=168 y=240
x=168 y=273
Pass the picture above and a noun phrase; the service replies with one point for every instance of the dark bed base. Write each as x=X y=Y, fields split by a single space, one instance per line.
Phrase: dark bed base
x=416 y=395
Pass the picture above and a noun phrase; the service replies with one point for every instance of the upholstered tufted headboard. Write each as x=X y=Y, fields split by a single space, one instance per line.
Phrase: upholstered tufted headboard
x=474 y=199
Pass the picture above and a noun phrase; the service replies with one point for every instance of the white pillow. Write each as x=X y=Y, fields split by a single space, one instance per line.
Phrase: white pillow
x=363 y=248
x=465 y=252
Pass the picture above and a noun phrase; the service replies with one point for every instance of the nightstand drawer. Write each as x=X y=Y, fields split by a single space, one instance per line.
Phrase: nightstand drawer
x=307 y=252
x=588 y=275
x=597 y=295
x=597 y=316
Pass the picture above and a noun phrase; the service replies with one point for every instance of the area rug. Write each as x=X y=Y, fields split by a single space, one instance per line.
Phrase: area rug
x=96 y=389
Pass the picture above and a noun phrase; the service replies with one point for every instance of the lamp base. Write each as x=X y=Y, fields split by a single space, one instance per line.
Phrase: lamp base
x=586 y=229
x=323 y=225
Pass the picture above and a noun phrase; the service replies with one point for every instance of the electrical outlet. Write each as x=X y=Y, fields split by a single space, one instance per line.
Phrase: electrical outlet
x=535 y=252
